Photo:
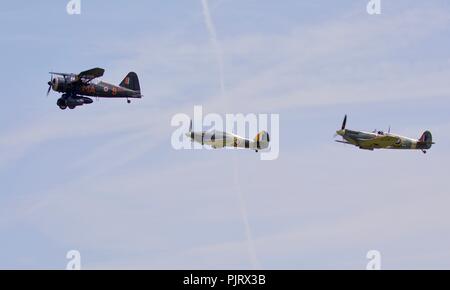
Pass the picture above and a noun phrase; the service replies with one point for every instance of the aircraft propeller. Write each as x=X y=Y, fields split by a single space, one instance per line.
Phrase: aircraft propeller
x=50 y=85
x=344 y=123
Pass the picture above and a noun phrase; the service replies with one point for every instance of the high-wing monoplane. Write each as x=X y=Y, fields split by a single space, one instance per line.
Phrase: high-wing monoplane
x=77 y=88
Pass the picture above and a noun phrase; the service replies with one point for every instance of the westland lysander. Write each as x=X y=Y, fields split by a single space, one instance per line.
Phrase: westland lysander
x=77 y=88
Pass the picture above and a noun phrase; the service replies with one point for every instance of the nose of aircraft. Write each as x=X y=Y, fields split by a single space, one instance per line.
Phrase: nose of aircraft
x=50 y=84
x=340 y=132
x=190 y=135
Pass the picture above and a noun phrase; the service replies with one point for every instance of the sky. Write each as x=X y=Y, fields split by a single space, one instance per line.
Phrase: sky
x=104 y=179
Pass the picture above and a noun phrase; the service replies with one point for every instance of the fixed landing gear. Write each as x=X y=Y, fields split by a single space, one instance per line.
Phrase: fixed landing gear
x=72 y=101
x=128 y=101
x=424 y=151
x=61 y=103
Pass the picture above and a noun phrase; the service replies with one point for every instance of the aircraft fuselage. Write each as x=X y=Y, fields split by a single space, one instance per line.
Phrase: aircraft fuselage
x=218 y=139
x=101 y=89
x=357 y=138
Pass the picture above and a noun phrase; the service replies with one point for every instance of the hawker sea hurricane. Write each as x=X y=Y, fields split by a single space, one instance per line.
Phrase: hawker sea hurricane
x=76 y=88
x=382 y=140
x=218 y=139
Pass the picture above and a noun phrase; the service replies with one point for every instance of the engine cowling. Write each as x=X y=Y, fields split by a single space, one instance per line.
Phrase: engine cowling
x=59 y=84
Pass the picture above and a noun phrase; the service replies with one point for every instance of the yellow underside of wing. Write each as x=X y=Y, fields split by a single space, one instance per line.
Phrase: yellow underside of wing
x=379 y=142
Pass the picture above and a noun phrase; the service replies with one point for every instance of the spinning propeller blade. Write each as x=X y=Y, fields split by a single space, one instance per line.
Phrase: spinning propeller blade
x=344 y=123
x=342 y=130
x=50 y=85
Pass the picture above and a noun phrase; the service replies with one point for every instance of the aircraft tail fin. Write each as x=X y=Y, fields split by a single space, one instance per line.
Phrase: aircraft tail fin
x=426 y=139
x=131 y=81
x=262 y=140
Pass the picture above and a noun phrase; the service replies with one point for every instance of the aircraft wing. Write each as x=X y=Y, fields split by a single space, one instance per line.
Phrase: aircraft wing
x=60 y=74
x=379 y=142
x=91 y=74
x=344 y=142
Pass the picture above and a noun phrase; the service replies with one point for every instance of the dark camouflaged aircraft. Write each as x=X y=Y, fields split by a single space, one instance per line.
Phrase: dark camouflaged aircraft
x=77 y=88
x=381 y=140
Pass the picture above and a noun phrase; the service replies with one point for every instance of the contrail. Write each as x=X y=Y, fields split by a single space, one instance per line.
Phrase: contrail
x=215 y=42
x=243 y=207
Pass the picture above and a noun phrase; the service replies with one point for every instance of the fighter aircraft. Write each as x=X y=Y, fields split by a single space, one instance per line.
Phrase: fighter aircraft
x=217 y=139
x=76 y=87
x=382 y=140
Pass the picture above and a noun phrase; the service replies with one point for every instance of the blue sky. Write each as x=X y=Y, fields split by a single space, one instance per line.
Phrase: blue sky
x=104 y=179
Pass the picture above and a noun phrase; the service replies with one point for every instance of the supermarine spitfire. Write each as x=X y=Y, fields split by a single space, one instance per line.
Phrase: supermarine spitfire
x=382 y=140
x=217 y=139
x=76 y=88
